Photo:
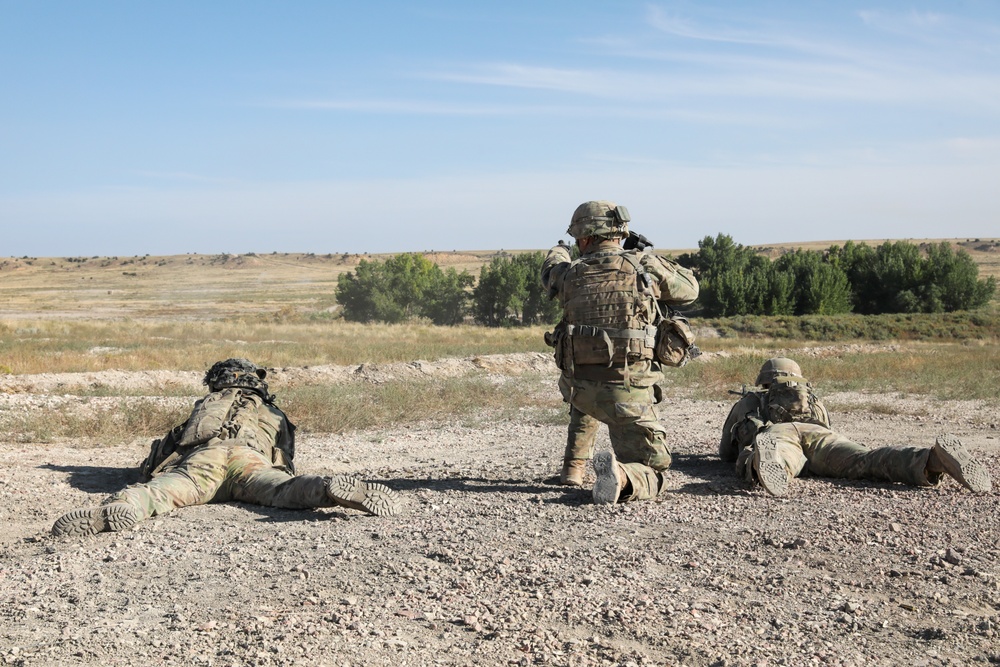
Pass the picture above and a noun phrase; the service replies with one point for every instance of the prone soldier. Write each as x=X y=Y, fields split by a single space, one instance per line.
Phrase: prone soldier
x=236 y=445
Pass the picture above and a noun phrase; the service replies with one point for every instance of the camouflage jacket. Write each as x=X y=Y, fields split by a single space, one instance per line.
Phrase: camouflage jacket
x=752 y=413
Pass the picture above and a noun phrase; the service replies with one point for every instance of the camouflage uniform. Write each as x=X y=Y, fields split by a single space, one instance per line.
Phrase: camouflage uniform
x=237 y=445
x=618 y=388
x=787 y=450
x=784 y=431
x=751 y=413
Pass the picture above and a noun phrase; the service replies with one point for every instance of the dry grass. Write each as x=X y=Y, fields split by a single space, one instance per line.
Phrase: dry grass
x=92 y=425
x=185 y=312
x=943 y=370
x=56 y=346
x=338 y=408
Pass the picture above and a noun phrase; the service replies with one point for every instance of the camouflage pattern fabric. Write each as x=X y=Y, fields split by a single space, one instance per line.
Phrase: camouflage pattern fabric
x=637 y=437
x=623 y=396
x=729 y=446
x=224 y=470
x=248 y=460
x=677 y=285
x=824 y=453
x=752 y=411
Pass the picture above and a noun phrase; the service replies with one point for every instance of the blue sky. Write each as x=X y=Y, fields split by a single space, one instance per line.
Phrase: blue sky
x=171 y=127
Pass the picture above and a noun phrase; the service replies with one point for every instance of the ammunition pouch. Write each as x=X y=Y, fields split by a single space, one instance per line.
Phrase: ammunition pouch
x=604 y=345
x=675 y=341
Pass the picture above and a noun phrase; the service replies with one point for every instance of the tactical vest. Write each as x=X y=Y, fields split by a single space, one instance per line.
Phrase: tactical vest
x=609 y=309
x=233 y=414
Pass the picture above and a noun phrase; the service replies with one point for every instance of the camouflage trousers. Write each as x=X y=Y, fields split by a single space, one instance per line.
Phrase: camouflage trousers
x=220 y=471
x=637 y=437
x=819 y=451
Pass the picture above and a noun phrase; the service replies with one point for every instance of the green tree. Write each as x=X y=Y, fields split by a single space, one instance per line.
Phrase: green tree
x=403 y=287
x=510 y=291
x=447 y=299
x=896 y=277
x=955 y=277
x=819 y=287
x=735 y=280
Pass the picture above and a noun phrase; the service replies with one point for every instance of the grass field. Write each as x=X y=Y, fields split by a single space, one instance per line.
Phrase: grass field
x=264 y=287
x=182 y=313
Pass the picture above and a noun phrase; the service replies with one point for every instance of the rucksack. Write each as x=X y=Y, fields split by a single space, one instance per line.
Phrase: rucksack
x=789 y=400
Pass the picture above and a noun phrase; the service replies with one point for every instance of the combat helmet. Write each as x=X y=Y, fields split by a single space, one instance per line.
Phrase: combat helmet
x=778 y=367
x=603 y=219
x=241 y=373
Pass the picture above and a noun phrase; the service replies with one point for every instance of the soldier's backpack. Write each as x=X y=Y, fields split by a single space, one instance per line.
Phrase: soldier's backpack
x=793 y=400
x=220 y=414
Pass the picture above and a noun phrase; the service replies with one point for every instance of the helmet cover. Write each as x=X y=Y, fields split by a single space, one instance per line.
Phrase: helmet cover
x=778 y=367
x=236 y=373
x=603 y=219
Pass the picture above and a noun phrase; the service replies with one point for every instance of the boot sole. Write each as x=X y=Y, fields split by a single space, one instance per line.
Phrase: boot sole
x=958 y=463
x=771 y=471
x=93 y=520
x=376 y=499
x=606 y=489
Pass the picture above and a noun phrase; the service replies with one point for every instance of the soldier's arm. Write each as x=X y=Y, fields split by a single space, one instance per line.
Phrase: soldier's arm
x=554 y=268
x=729 y=450
x=678 y=286
x=824 y=414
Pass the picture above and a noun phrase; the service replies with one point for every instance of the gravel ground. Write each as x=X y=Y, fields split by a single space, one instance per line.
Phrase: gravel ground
x=489 y=565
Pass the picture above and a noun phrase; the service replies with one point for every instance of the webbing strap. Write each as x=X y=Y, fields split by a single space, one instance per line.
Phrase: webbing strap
x=588 y=330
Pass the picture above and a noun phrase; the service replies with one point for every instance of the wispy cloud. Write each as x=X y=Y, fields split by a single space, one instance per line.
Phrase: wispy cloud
x=398 y=106
x=736 y=77
x=962 y=35
x=758 y=34
x=186 y=177
x=675 y=112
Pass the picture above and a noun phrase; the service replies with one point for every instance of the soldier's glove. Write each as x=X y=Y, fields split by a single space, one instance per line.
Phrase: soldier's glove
x=636 y=241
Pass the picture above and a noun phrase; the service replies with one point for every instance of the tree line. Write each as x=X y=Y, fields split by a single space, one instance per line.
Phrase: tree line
x=895 y=277
x=409 y=286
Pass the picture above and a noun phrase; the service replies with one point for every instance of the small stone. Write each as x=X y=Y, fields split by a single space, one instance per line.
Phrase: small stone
x=850 y=607
x=953 y=557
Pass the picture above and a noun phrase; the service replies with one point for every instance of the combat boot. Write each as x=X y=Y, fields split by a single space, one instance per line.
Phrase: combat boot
x=349 y=491
x=949 y=456
x=611 y=479
x=91 y=520
x=770 y=469
x=573 y=472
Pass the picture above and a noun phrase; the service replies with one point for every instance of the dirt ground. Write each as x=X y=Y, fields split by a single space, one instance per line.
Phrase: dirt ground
x=489 y=565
